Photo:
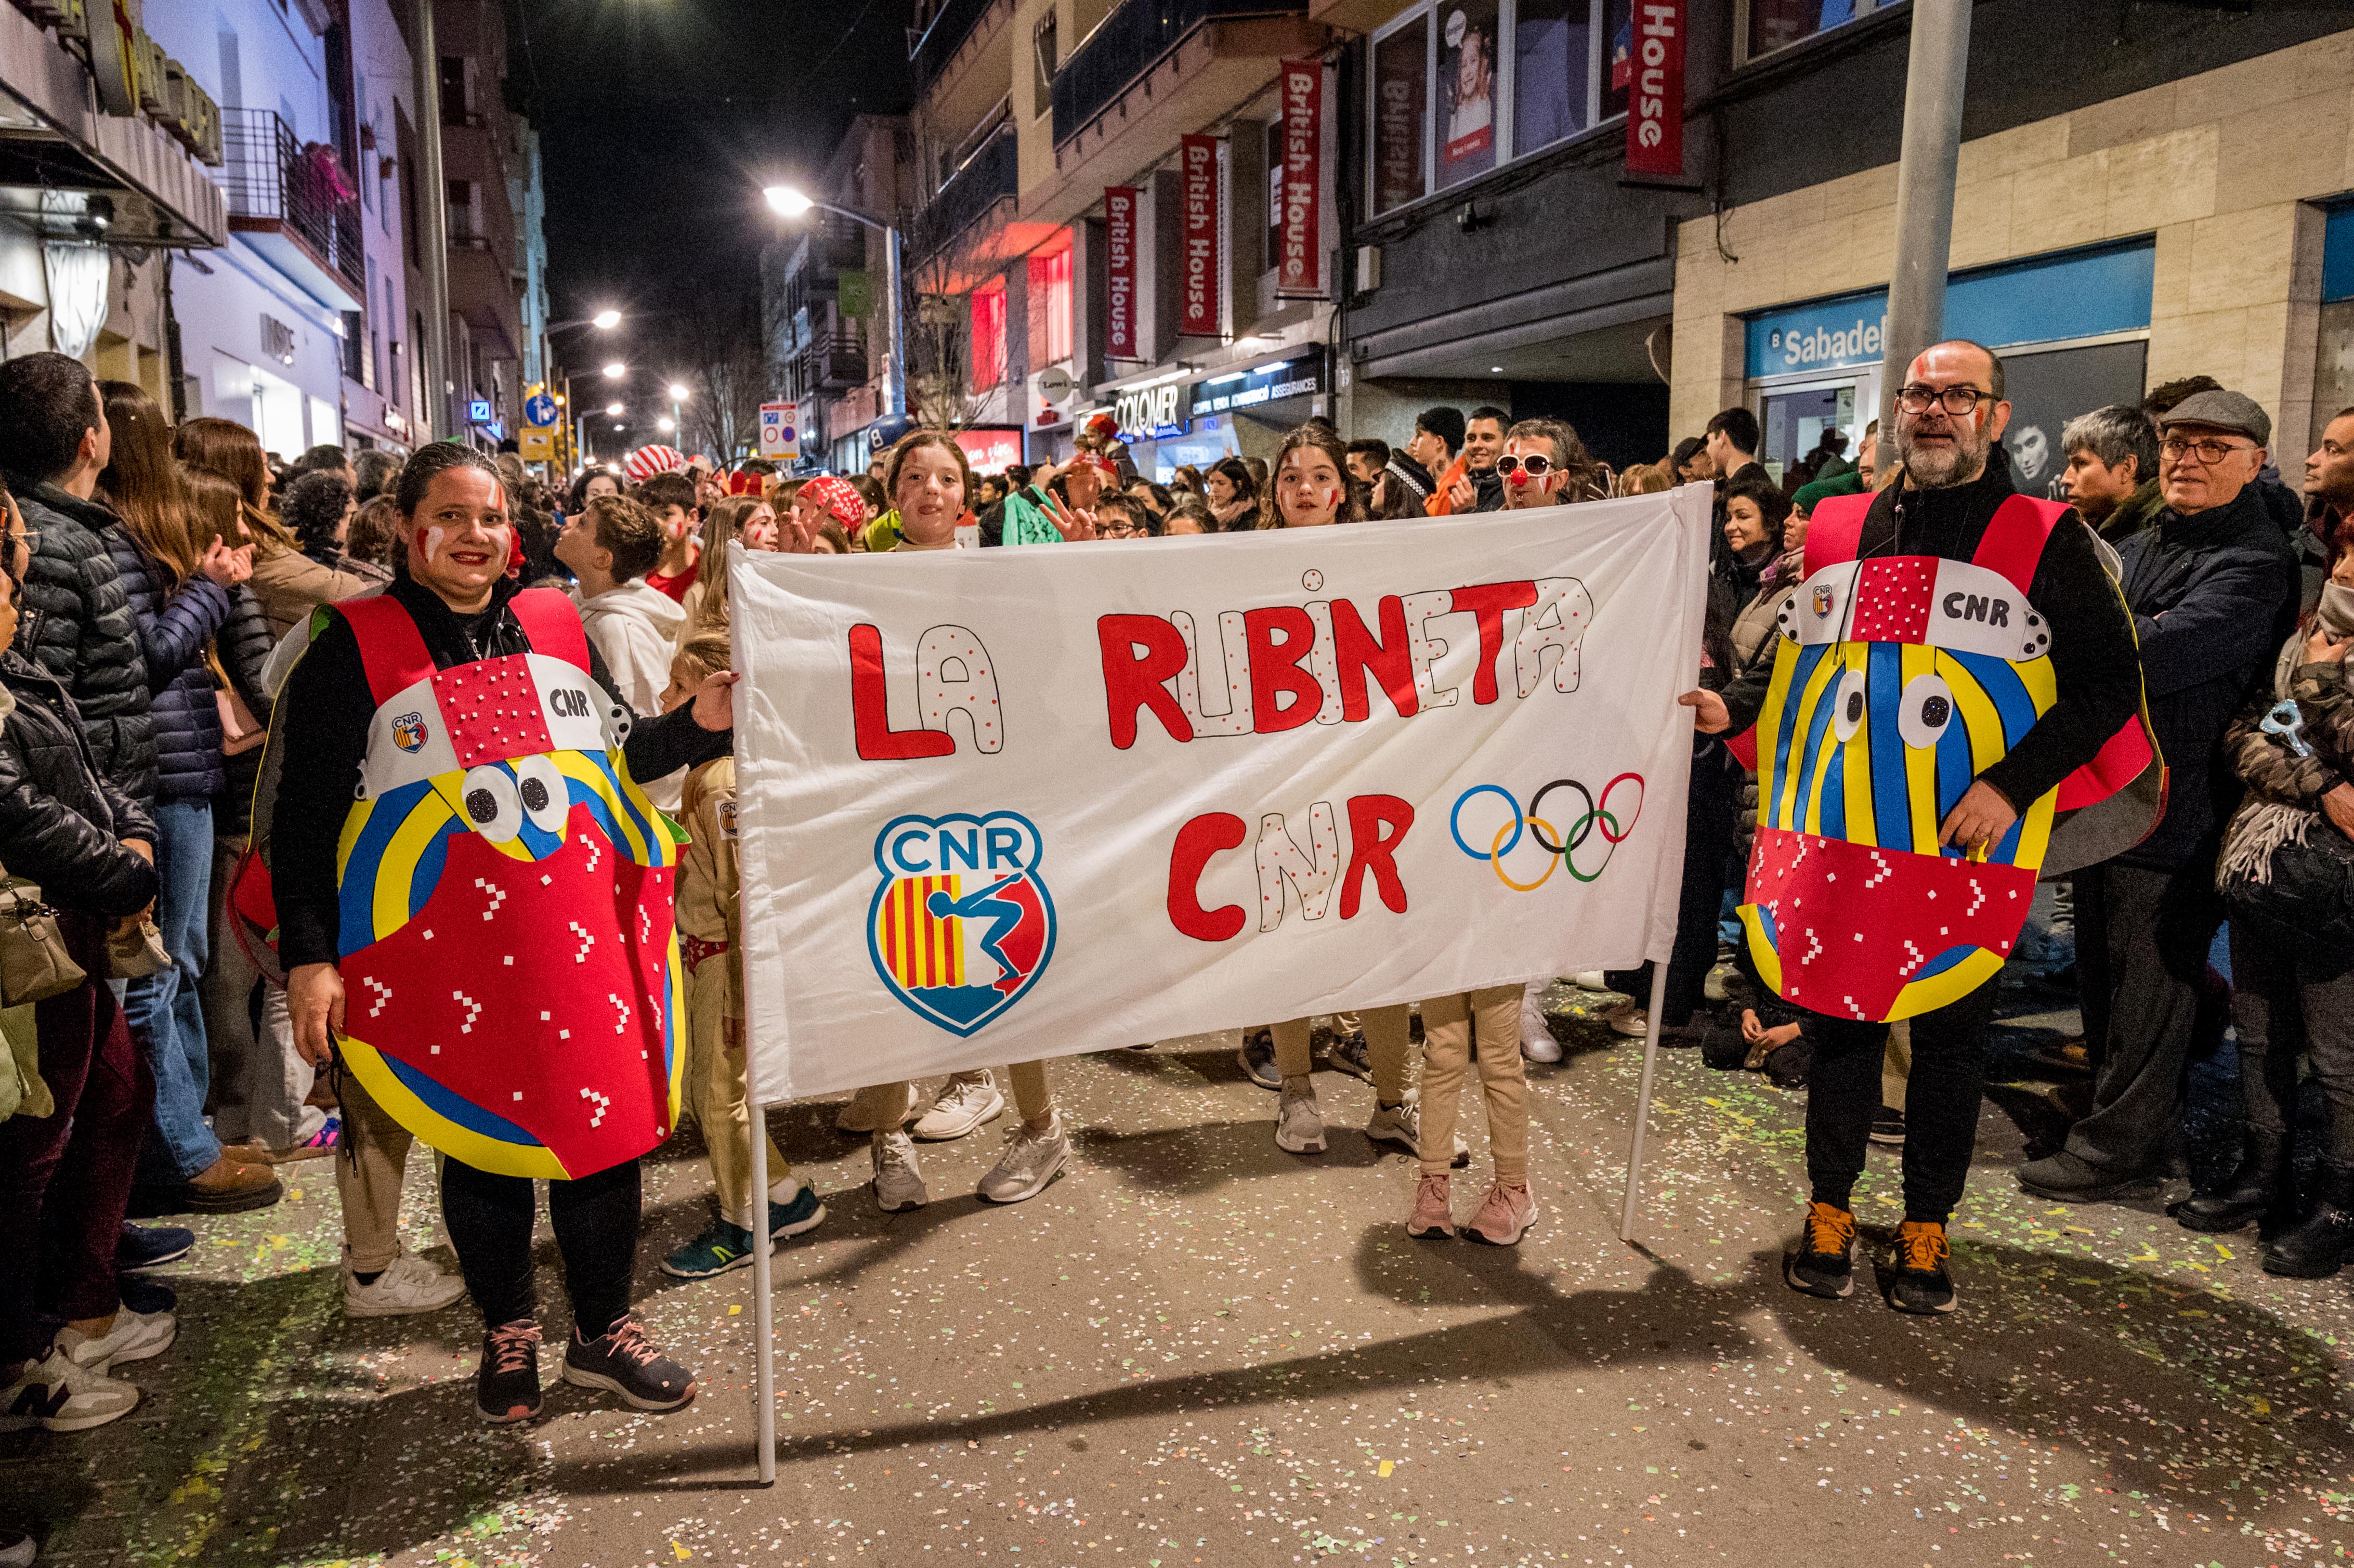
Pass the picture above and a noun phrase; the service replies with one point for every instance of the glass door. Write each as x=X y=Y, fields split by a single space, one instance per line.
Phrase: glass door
x=1794 y=418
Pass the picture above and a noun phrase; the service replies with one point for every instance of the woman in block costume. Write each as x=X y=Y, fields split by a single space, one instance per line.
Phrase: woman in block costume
x=1956 y=674
x=474 y=905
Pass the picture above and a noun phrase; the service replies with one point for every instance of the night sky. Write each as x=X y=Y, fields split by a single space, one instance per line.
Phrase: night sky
x=660 y=122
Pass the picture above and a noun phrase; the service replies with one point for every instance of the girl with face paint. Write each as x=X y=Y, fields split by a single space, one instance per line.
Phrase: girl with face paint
x=457 y=687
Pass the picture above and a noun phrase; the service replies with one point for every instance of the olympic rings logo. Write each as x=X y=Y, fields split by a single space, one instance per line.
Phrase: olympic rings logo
x=1561 y=849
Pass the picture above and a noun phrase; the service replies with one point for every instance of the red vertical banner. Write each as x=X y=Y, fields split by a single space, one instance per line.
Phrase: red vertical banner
x=1198 y=266
x=1655 y=99
x=1299 y=257
x=1119 y=269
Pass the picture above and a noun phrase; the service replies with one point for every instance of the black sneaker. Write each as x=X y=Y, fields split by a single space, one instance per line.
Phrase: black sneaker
x=626 y=1362
x=1257 y=1057
x=1922 y=1284
x=143 y=1296
x=506 y=1385
x=1824 y=1264
x=1888 y=1128
x=145 y=1246
x=1349 y=1054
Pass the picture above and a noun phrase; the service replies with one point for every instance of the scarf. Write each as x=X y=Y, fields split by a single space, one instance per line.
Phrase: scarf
x=2261 y=827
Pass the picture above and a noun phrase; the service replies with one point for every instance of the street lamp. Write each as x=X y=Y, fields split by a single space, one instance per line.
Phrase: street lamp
x=791 y=201
x=613 y=408
x=605 y=321
x=665 y=425
x=616 y=370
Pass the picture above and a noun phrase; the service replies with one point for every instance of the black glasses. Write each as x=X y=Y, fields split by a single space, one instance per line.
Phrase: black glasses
x=1537 y=464
x=1919 y=399
x=2211 y=451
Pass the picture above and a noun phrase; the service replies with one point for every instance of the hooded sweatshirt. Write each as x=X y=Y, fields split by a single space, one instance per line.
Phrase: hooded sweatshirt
x=634 y=628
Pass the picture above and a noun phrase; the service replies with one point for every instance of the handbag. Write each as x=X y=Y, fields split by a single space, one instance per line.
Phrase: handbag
x=33 y=963
x=240 y=731
x=2306 y=909
x=136 y=951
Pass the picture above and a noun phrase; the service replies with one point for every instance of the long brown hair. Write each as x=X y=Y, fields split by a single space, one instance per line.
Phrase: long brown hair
x=142 y=482
x=216 y=509
x=229 y=449
x=1326 y=439
x=725 y=524
x=913 y=443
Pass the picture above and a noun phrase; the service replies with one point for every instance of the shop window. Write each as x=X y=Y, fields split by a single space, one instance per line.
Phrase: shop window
x=988 y=342
x=1050 y=308
x=1461 y=86
x=1765 y=25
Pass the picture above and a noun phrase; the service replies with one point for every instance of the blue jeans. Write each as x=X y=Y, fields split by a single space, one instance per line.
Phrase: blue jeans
x=166 y=1009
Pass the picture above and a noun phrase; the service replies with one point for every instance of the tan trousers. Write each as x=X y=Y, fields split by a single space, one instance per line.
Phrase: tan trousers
x=369 y=1171
x=1447 y=1027
x=1387 y=1043
x=716 y=1093
x=894 y=1105
x=1896 y=1064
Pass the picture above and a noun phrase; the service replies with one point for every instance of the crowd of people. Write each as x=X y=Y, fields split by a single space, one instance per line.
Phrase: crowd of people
x=208 y=647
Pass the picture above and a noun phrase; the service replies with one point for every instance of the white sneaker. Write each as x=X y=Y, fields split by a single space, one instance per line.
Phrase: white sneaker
x=849 y=1121
x=1030 y=1162
x=898 y=1181
x=1630 y=1018
x=1537 y=1042
x=1590 y=979
x=1401 y=1127
x=963 y=1105
x=60 y=1394
x=1298 y=1121
x=134 y=1336
x=410 y=1285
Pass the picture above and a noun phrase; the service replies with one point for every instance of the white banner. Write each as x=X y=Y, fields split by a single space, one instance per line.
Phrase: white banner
x=1007 y=804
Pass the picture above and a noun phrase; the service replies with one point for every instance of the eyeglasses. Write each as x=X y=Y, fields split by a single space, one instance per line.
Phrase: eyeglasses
x=1919 y=399
x=1537 y=465
x=2211 y=451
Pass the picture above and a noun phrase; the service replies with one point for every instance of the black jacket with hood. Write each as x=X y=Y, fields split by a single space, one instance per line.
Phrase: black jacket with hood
x=75 y=621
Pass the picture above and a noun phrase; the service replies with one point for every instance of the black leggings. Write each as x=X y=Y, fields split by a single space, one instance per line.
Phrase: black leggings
x=1941 y=1101
x=596 y=1219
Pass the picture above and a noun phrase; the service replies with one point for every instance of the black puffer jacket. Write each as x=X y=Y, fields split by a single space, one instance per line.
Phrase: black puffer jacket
x=62 y=823
x=75 y=621
x=244 y=645
x=174 y=625
x=2212 y=595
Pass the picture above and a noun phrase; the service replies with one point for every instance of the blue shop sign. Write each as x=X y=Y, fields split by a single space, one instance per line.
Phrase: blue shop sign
x=478 y=411
x=2078 y=293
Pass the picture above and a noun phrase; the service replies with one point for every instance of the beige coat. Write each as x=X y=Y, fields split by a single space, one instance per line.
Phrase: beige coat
x=289 y=585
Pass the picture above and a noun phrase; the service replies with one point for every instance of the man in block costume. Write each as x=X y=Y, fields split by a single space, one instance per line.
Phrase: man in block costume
x=1956 y=673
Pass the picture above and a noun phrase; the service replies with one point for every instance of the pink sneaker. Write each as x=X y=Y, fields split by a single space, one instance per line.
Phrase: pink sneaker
x=1503 y=1214
x=1434 y=1209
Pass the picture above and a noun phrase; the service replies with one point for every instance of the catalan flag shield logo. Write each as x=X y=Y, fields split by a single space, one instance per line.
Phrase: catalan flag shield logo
x=961 y=925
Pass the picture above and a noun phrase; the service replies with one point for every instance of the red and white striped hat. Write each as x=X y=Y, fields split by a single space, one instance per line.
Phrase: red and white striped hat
x=647 y=461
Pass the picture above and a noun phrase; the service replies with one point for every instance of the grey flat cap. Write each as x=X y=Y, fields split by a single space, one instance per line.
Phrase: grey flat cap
x=2222 y=411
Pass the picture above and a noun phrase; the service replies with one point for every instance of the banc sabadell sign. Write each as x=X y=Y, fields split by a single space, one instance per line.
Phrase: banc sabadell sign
x=2046 y=299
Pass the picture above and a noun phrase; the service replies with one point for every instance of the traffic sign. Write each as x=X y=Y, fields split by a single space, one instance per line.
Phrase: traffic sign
x=780 y=432
x=539 y=408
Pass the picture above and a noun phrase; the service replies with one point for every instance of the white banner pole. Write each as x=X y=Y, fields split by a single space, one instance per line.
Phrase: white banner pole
x=1643 y=1101
x=764 y=1381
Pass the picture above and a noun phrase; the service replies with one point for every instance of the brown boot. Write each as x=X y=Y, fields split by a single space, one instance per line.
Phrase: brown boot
x=229 y=1186
x=251 y=1152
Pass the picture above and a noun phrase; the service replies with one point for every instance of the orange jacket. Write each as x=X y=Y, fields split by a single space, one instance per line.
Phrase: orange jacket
x=1438 y=505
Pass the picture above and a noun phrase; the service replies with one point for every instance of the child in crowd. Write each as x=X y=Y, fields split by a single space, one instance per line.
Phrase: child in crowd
x=671 y=499
x=708 y=936
x=610 y=546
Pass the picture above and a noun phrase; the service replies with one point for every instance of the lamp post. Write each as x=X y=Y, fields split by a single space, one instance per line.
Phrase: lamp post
x=789 y=201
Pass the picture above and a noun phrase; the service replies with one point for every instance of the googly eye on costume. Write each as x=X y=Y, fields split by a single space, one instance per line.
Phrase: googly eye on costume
x=546 y=797
x=1924 y=710
x=1847 y=717
x=493 y=806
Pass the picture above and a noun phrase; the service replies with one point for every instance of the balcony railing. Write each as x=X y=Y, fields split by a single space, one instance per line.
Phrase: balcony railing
x=991 y=174
x=835 y=361
x=276 y=185
x=1137 y=36
x=949 y=29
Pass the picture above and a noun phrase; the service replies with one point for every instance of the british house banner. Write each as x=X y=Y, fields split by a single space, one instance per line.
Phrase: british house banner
x=1197 y=274
x=996 y=805
x=1119 y=272
x=1655 y=97
x=1300 y=241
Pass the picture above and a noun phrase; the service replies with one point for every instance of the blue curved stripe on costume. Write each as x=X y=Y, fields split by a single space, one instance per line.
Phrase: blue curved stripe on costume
x=1892 y=794
x=641 y=809
x=355 y=889
x=2006 y=851
x=1942 y=962
x=1954 y=764
x=599 y=809
x=426 y=875
x=1834 y=815
x=2004 y=689
x=1814 y=754
x=536 y=841
x=1766 y=923
x=1802 y=670
x=448 y=1102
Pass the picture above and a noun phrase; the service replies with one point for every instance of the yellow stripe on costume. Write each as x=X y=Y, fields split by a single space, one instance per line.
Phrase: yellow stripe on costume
x=495 y=1155
x=1789 y=811
x=395 y=873
x=1921 y=761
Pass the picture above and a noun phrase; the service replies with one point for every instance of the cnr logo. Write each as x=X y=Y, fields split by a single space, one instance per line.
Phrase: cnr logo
x=568 y=702
x=999 y=844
